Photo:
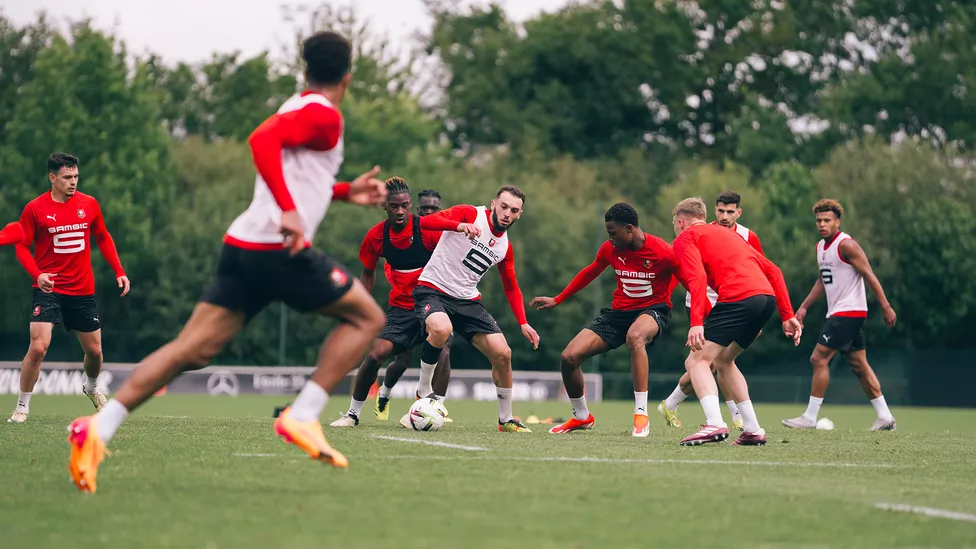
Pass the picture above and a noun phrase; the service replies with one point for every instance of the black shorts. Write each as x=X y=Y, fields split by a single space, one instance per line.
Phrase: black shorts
x=843 y=333
x=249 y=280
x=74 y=312
x=403 y=329
x=468 y=316
x=612 y=325
x=739 y=321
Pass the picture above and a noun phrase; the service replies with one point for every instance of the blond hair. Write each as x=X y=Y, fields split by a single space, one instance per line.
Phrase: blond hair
x=692 y=207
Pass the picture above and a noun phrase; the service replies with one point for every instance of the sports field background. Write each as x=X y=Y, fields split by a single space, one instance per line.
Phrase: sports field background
x=194 y=471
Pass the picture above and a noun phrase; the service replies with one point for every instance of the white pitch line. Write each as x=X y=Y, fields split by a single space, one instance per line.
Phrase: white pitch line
x=174 y=417
x=263 y=455
x=434 y=443
x=927 y=511
x=611 y=461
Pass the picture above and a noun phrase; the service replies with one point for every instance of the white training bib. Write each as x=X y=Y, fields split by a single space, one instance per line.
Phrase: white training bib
x=459 y=263
x=843 y=284
x=712 y=294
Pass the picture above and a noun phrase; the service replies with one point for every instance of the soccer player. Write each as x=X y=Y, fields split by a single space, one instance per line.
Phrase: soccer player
x=447 y=298
x=843 y=269
x=639 y=313
x=746 y=283
x=60 y=224
x=407 y=248
x=267 y=256
x=727 y=212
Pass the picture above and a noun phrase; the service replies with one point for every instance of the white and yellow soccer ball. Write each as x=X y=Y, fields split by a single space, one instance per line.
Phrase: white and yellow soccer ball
x=825 y=424
x=427 y=414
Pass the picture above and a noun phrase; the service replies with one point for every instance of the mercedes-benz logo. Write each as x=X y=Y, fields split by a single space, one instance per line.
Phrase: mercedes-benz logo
x=222 y=382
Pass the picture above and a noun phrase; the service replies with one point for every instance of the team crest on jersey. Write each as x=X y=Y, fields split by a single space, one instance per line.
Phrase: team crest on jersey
x=491 y=242
x=647 y=263
x=81 y=214
x=338 y=277
x=37 y=310
x=411 y=239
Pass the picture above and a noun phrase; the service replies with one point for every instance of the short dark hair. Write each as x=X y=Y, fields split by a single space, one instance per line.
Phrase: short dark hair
x=396 y=185
x=728 y=197
x=328 y=58
x=61 y=160
x=622 y=213
x=828 y=205
x=429 y=192
x=512 y=190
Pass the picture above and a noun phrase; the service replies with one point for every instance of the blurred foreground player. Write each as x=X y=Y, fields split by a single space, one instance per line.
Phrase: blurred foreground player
x=267 y=256
x=746 y=282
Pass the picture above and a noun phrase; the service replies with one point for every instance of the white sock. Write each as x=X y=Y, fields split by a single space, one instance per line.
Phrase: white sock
x=881 y=407
x=504 y=403
x=424 y=388
x=580 y=411
x=676 y=398
x=441 y=398
x=750 y=423
x=713 y=413
x=640 y=403
x=733 y=410
x=112 y=416
x=90 y=384
x=356 y=406
x=23 y=401
x=813 y=409
x=310 y=402
x=385 y=391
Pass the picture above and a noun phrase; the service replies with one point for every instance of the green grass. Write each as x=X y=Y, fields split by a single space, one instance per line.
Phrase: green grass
x=176 y=482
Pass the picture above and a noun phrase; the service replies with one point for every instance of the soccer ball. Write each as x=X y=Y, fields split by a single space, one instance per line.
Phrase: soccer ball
x=825 y=424
x=427 y=414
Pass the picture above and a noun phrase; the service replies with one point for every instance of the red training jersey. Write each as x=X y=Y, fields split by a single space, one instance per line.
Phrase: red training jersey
x=402 y=282
x=61 y=234
x=711 y=256
x=645 y=277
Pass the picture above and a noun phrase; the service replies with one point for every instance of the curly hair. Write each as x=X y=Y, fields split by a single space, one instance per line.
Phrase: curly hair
x=828 y=205
x=622 y=213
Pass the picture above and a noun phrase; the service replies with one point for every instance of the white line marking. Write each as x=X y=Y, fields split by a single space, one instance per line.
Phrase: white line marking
x=434 y=443
x=927 y=511
x=598 y=460
x=174 y=417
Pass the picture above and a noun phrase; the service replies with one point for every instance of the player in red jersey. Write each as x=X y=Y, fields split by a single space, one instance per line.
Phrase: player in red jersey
x=266 y=257
x=746 y=282
x=12 y=233
x=640 y=312
x=727 y=212
x=406 y=248
x=60 y=224
x=475 y=240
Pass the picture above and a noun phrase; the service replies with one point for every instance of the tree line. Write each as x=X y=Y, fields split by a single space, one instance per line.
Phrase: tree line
x=647 y=102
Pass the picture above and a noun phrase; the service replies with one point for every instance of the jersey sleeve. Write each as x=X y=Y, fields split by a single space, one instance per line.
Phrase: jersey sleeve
x=587 y=274
x=776 y=280
x=754 y=242
x=430 y=239
x=22 y=249
x=692 y=275
x=510 y=284
x=313 y=123
x=449 y=219
x=372 y=248
x=106 y=244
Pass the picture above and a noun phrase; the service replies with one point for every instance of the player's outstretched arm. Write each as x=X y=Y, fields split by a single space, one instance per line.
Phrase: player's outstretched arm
x=12 y=233
x=581 y=280
x=851 y=252
x=815 y=294
x=454 y=219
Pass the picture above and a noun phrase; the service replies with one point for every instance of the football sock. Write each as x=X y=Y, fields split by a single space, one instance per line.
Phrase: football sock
x=676 y=398
x=580 y=411
x=441 y=398
x=356 y=406
x=23 y=401
x=733 y=410
x=385 y=391
x=750 y=423
x=881 y=407
x=310 y=402
x=428 y=362
x=713 y=413
x=504 y=403
x=112 y=416
x=813 y=409
x=90 y=384
x=640 y=403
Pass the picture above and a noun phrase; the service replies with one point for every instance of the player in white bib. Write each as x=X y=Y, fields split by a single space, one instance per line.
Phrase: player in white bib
x=475 y=239
x=727 y=212
x=843 y=271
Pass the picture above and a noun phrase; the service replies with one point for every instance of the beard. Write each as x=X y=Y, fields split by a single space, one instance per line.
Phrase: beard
x=498 y=226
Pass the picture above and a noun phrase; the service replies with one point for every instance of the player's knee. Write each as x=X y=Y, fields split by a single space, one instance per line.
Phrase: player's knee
x=569 y=360
x=817 y=361
x=636 y=339
x=692 y=363
x=439 y=330
x=94 y=353
x=503 y=356
x=38 y=349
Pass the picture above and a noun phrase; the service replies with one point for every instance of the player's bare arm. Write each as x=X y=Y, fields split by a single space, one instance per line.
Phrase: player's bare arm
x=581 y=280
x=852 y=252
x=816 y=293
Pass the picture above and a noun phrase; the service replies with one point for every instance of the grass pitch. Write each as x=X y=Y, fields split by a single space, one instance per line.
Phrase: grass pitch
x=208 y=472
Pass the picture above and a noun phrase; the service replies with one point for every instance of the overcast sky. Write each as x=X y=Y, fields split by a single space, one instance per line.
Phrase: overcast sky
x=190 y=30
